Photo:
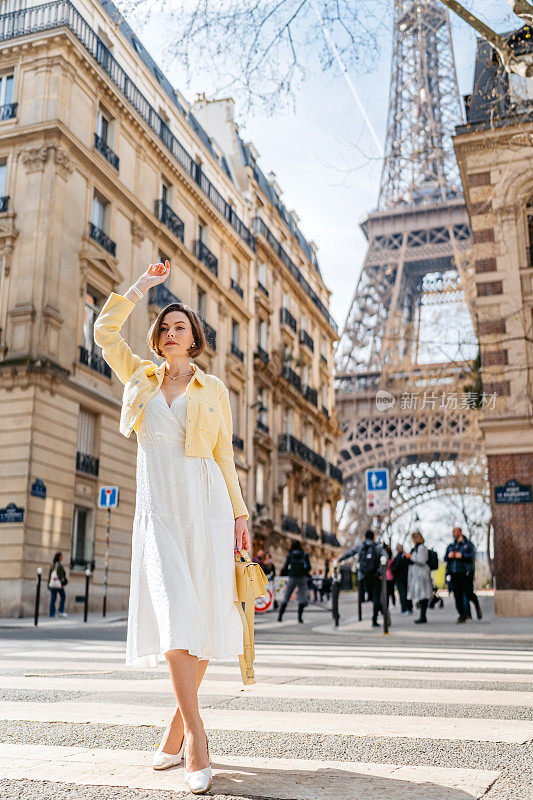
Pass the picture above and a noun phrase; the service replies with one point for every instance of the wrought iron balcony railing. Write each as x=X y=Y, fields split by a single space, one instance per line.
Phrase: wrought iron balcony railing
x=290 y=444
x=237 y=352
x=171 y=220
x=311 y=395
x=95 y=362
x=210 y=335
x=323 y=359
x=9 y=110
x=290 y=524
x=106 y=151
x=262 y=426
x=325 y=411
x=291 y=377
x=238 y=442
x=334 y=472
x=61 y=13
x=262 y=288
x=307 y=340
x=236 y=288
x=330 y=538
x=4 y=204
x=263 y=355
x=102 y=238
x=204 y=254
x=161 y=296
x=86 y=463
x=286 y=318
x=266 y=233
x=310 y=532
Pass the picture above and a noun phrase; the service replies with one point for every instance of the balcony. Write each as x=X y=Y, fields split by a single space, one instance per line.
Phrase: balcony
x=288 y=443
x=4 y=204
x=236 y=288
x=236 y=352
x=307 y=340
x=161 y=296
x=286 y=318
x=291 y=377
x=323 y=359
x=238 y=442
x=104 y=149
x=210 y=335
x=94 y=361
x=102 y=239
x=204 y=254
x=290 y=524
x=334 y=472
x=169 y=219
x=9 y=111
x=330 y=538
x=325 y=411
x=262 y=426
x=86 y=463
x=262 y=288
x=310 y=532
x=268 y=236
x=263 y=355
x=311 y=395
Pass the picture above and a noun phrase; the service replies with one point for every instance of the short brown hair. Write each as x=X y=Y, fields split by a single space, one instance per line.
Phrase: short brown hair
x=417 y=537
x=197 y=328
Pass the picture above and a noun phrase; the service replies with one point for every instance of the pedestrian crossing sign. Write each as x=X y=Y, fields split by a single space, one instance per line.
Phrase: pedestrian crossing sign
x=377 y=492
x=108 y=497
x=377 y=480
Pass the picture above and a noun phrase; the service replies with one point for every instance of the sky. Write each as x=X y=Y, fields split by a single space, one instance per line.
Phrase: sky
x=324 y=157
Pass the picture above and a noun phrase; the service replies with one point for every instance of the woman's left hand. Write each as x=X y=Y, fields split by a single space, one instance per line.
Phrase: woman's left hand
x=242 y=536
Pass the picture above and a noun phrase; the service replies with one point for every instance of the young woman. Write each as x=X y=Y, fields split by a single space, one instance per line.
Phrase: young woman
x=189 y=513
x=419 y=583
x=57 y=580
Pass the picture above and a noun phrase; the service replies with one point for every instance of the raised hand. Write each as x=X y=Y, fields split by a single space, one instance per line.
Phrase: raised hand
x=156 y=273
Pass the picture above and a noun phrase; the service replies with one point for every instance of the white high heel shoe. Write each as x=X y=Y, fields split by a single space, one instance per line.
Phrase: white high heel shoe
x=200 y=780
x=162 y=760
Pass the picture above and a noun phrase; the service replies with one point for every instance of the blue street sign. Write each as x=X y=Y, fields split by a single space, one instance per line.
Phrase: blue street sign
x=377 y=480
x=108 y=497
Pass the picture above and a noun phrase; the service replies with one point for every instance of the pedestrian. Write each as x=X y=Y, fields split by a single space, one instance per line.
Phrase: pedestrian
x=57 y=580
x=389 y=577
x=297 y=568
x=259 y=558
x=400 y=569
x=189 y=514
x=312 y=584
x=368 y=571
x=460 y=558
x=270 y=571
x=419 y=583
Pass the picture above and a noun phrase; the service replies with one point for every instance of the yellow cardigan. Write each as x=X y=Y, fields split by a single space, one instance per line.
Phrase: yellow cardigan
x=209 y=426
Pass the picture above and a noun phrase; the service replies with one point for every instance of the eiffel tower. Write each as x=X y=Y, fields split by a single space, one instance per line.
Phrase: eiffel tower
x=416 y=272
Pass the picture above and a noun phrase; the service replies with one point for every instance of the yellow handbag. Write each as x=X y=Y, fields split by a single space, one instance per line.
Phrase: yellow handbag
x=251 y=583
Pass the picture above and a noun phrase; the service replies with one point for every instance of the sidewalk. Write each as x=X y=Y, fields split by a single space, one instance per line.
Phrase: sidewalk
x=93 y=619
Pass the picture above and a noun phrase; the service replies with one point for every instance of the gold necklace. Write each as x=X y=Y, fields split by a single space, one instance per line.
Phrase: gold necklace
x=175 y=377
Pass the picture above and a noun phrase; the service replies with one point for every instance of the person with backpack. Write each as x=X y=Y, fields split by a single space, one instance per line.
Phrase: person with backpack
x=57 y=580
x=298 y=569
x=460 y=559
x=369 y=555
x=419 y=583
x=400 y=571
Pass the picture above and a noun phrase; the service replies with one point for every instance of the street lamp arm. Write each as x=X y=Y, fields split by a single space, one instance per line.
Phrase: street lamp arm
x=510 y=63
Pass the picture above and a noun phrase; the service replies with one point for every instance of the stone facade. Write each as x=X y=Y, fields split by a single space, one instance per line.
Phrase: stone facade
x=105 y=170
x=495 y=158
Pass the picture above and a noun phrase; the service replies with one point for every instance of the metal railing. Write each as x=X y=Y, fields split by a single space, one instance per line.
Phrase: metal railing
x=238 y=442
x=61 y=13
x=86 y=463
x=290 y=524
x=310 y=532
x=204 y=254
x=236 y=288
x=4 y=204
x=330 y=538
x=170 y=219
x=263 y=355
x=161 y=296
x=266 y=233
x=311 y=395
x=334 y=472
x=9 y=110
x=262 y=288
x=237 y=352
x=290 y=444
x=95 y=362
x=102 y=239
x=307 y=340
x=106 y=151
x=210 y=334
x=286 y=318
x=262 y=426
x=291 y=377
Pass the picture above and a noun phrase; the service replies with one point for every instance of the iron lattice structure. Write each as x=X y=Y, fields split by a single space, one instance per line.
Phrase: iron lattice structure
x=416 y=262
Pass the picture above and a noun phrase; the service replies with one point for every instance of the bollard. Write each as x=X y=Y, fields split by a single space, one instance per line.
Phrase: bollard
x=335 y=590
x=37 y=595
x=384 y=598
x=86 y=600
x=359 y=600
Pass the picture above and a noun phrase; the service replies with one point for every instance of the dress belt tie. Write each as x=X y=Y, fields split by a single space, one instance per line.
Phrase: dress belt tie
x=206 y=469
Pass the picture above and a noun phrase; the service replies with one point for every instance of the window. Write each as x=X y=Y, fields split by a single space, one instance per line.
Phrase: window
x=6 y=89
x=262 y=273
x=86 y=432
x=262 y=334
x=262 y=408
x=235 y=333
x=287 y=301
x=92 y=307
x=326 y=517
x=304 y=509
x=100 y=212
x=235 y=270
x=82 y=537
x=3 y=177
x=303 y=324
x=235 y=406
x=104 y=127
x=202 y=233
x=201 y=302
x=308 y=435
x=260 y=484
x=166 y=193
x=324 y=391
x=287 y=420
x=285 y=500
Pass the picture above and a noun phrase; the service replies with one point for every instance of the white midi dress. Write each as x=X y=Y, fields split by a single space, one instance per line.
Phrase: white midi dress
x=182 y=588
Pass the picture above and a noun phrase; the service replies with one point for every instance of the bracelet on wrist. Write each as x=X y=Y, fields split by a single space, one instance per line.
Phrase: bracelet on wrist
x=137 y=291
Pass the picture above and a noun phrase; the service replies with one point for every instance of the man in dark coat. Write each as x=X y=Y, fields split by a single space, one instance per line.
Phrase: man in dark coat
x=298 y=569
x=460 y=556
x=368 y=553
x=400 y=569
